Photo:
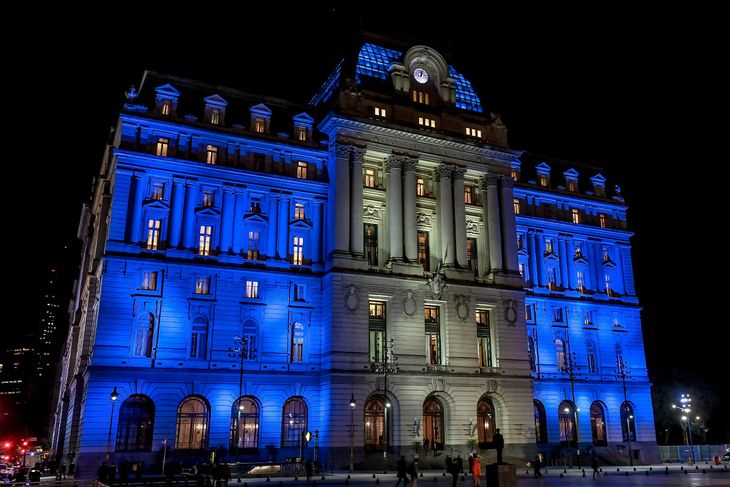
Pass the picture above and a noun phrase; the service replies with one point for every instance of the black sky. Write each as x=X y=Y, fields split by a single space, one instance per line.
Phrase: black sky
x=628 y=91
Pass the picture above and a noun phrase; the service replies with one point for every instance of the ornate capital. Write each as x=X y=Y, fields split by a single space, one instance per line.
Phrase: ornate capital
x=489 y=180
x=341 y=150
x=357 y=153
x=409 y=163
x=393 y=162
x=443 y=171
x=507 y=181
x=458 y=173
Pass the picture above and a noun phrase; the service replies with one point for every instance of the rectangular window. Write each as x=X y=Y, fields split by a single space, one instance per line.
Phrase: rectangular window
x=581 y=278
x=298 y=251
x=254 y=240
x=302 y=134
x=255 y=206
x=153 y=234
x=522 y=270
x=379 y=112
x=599 y=190
x=211 y=154
x=543 y=180
x=515 y=175
x=592 y=367
x=166 y=107
x=427 y=122
x=208 y=198
x=259 y=125
x=431 y=314
x=420 y=187
x=299 y=292
x=202 y=285
x=602 y=220
x=607 y=278
x=587 y=317
x=302 y=169
x=516 y=204
x=163 y=144
x=205 y=236
x=552 y=279
x=420 y=97
x=472 y=132
x=472 y=262
x=299 y=211
x=558 y=315
x=371 y=244
x=578 y=252
x=484 y=339
x=529 y=313
x=215 y=116
x=149 y=281
x=369 y=180
x=520 y=241
x=158 y=191
x=198 y=340
x=575 y=214
x=297 y=343
x=469 y=195
x=606 y=256
x=572 y=185
x=252 y=289
x=548 y=245
x=376 y=331
x=423 y=251
x=433 y=334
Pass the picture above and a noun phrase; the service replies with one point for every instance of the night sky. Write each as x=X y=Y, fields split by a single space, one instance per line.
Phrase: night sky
x=628 y=93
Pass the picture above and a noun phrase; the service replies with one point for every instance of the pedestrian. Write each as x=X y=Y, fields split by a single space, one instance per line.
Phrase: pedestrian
x=447 y=463
x=309 y=469
x=63 y=470
x=102 y=472
x=460 y=463
x=471 y=463
x=402 y=469
x=536 y=464
x=594 y=466
x=499 y=445
x=454 y=471
x=425 y=446
x=476 y=471
x=413 y=472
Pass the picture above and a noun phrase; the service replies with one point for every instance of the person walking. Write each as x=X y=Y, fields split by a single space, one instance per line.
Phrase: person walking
x=471 y=463
x=536 y=464
x=499 y=445
x=476 y=470
x=594 y=466
x=460 y=463
x=413 y=472
x=309 y=469
x=402 y=468
x=453 y=468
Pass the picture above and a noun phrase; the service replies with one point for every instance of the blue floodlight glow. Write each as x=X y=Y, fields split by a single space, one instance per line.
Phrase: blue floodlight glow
x=466 y=98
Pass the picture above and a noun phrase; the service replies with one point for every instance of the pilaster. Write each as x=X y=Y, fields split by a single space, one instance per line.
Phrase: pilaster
x=176 y=214
x=356 y=227
x=460 y=216
x=410 y=227
x=446 y=214
x=395 y=206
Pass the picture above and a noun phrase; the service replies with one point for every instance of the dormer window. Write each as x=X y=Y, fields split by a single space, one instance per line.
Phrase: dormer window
x=379 y=112
x=420 y=97
x=215 y=116
x=575 y=215
x=427 y=122
x=302 y=125
x=259 y=125
x=302 y=134
x=572 y=185
x=543 y=180
x=302 y=170
x=166 y=107
x=166 y=99
x=211 y=154
x=599 y=185
x=599 y=191
x=602 y=220
x=472 y=132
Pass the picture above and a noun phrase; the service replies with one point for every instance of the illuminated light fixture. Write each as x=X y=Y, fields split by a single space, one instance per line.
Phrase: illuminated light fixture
x=352 y=401
x=114 y=395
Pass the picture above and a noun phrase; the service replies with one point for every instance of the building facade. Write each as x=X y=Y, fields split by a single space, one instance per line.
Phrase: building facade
x=372 y=268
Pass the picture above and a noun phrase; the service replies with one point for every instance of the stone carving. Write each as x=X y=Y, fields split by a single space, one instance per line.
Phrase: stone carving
x=423 y=219
x=497 y=120
x=438 y=384
x=437 y=283
x=409 y=303
x=507 y=181
x=458 y=173
x=510 y=311
x=409 y=163
x=352 y=299
x=341 y=150
x=131 y=94
x=371 y=211
x=489 y=180
x=462 y=306
x=472 y=226
x=393 y=162
x=357 y=153
x=493 y=386
x=443 y=171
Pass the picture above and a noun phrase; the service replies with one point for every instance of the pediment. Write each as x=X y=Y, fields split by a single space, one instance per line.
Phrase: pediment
x=608 y=263
x=261 y=110
x=523 y=251
x=303 y=224
x=303 y=119
x=211 y=212
x=571 y=173
x=598 y=179
x=167 y=90
x=255 y=218
x=216 y=101
x=580 y=260
x=542 y=168
x=552 y=256
x=156 y=205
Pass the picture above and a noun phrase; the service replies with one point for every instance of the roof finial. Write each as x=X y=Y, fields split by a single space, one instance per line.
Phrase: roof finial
x=131 y=94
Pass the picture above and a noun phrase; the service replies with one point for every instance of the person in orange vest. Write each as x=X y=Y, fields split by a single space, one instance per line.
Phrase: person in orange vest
x=476 y=470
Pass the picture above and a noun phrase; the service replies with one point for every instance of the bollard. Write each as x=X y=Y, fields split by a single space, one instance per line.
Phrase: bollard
x=685 y=472
x=377 y=481
x=626 y=474
x=646 y=472
x=584 y=474
x=348 y=476
x=347 y=481
x=634 y=469
x=443 y=474
x=666 y=470
x=561 y=475
x=435 y=479
x=268 y=479
x=565 y=471
x=650 y=469
x=618 y=469
x=373 y=475
x=421 y=475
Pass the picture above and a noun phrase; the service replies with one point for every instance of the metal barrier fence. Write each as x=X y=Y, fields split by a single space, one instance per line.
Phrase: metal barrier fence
x=680 y=453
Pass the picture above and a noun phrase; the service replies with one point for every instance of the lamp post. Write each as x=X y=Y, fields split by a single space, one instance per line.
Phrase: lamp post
x=685 y=409
x=113 y=396
x=387 y=367
x=241 y=351
x=571 y=374
x=353 y=404
x=623 y=372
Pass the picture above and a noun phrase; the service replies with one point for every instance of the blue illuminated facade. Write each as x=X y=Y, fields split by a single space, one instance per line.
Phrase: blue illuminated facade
x=250 y=265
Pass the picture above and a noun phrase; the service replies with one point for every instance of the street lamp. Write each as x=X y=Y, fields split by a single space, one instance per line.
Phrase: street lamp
x=353 y=404
x=113 y=396
x=571 y=371
x=685 y=409
x=387 y=367
x=240 y=350
x=623 y=372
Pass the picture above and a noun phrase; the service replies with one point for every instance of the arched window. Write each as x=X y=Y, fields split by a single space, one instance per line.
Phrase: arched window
x=591 y=357
x=245 y=424
x=628 y=424
x=293 y=421
x=598 y=424
x=374 y=422
x=566 y=423
x=296 y=343
x=433 y=423
x=193 y=417
x=143 y=333
x=561 y=355
x=532 y=353
x=540 y=423
x=136 y=420
x=485 y=422
x=199 y=337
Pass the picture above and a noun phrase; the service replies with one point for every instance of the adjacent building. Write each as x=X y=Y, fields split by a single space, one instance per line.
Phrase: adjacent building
x=375 y=267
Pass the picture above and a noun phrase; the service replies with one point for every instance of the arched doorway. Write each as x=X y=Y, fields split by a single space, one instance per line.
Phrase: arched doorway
x=486 y=422
x=374 y=422
x=628 y=424
x=566 y=423
x=540 y=423
x=598 y=424
x=433 y=424
x=245 y=425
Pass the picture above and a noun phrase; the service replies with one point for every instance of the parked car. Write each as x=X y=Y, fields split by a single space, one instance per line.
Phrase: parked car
x=7 y=469
x=726 y=457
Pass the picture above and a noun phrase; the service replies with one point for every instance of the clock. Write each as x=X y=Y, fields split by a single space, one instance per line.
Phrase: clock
x=421 y=75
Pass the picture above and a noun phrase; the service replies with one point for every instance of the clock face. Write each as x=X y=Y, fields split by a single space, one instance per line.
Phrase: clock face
x=420 y=75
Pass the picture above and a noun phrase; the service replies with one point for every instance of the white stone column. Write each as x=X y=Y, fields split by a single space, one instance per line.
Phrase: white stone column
x=459 y=216
x=227 y=220
x=509 y=225
x=395 y=206
x=317 y=232
x=410 y=226
x=446 y=214
x=532 y=249
x=178 y=198
x=572 y=278
x=271 y=229
x=339 y=165
x=283 y=233
x=138 y=186
x=356 y=228
x=191 y=200
x=489 y=183
x=566 y=254
x=485 y=234
x=540 y=254
x=599 y=283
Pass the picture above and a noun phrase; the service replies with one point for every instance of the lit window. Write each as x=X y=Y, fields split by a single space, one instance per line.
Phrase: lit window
x=166 y=107
x=580 y=276
x=206 y=234
x=543 y=179
x=606 y=256
x=163 y=144
x=371 y=244
x=215 y=116
x=552 y=278
x=484 y=341
x=529 y=315
x=370 y=178
x=158 y=191
x=202 y=285
x=302 y=134
x=252 y=289
x=548 y=245
x=420 y=187
x=469 y=195
x=575 y=215
x=259 y=126
x=572 y=185
x=208 y=198
x=143 y=335
x=516 y=204
x=255 y=206
x=472 y=132
x=254 y=240
x=299 y=211
x=153 y=234
x=587 y=318
x=560 y=353
x=607 y=279
x=602 y=220
x=515 y=175
x=427 y=122
x=520 y=241
x=199 y=338
x=298 y=251
x=431 y=314
x=302 y=168
x=380 y=112
x=433 y=334
x=578 y=252
x=376 y=310
x=149 y=281
x=297 y=343
x=420 y=97
x=211 y=154
x=423 y=256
